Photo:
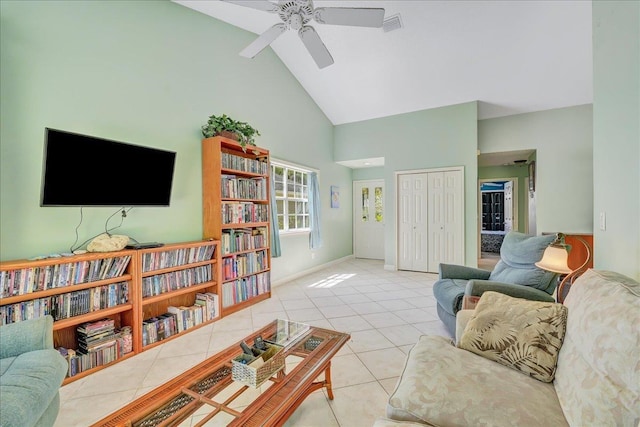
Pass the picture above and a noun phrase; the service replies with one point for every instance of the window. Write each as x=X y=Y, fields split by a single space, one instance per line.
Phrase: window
x=292 y=196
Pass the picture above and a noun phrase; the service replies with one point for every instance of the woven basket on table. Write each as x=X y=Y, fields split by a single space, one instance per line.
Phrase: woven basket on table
x=256 y=376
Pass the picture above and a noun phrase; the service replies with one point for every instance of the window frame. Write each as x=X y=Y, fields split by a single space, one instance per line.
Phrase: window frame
x=286 y=199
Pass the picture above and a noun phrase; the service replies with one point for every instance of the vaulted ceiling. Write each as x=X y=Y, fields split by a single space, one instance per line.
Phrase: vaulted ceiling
x=512 y=56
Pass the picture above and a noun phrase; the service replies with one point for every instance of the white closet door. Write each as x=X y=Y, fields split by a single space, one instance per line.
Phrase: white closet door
x=430 y=220
x=412 y=222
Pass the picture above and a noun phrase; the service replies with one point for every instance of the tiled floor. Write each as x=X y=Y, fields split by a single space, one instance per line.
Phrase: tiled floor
x=384 y=311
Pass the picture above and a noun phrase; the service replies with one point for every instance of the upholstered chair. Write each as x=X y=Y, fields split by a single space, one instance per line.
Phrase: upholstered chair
x=515 y=275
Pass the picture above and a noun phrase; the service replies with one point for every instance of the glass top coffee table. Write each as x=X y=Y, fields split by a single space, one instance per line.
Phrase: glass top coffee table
x=209 y=390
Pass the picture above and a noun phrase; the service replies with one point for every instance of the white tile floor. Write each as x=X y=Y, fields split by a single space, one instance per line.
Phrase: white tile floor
x=384 y=311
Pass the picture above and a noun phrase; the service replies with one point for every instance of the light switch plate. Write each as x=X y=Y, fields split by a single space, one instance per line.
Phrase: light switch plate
x=603 y=221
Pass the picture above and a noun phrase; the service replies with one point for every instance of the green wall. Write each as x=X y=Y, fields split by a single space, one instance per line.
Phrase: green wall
x=434 y=138
x=563 y=142
x=616 y=135
x=512 y=171
x=148 y=73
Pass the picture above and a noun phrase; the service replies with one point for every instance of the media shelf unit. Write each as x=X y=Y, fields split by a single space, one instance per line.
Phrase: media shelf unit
x=236 y=210
x=74 y=290
x=172 y=278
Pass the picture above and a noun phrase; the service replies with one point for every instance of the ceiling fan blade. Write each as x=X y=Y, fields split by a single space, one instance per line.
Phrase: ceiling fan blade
x=263 y=41
x=264 y=5
x=315 y=46
x=358 y=17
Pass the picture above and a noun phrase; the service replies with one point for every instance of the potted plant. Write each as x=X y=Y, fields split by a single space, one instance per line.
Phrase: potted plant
x=229 y=128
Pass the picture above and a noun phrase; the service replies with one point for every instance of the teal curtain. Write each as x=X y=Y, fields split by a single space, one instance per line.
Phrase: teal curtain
x=276 y=251
x=315 y=238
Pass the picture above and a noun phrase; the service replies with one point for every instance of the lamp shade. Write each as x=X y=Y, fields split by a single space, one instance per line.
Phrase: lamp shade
x=555 y=258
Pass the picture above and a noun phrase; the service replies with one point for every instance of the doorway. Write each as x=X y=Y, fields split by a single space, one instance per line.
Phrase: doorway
x=497 y=215
x=368 y=219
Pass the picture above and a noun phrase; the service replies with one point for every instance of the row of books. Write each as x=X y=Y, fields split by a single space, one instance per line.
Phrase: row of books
x=243 y=264
x=234 y=187
x=244 y=164
x=179 y=319
x=243 y=289
x=205 y=308
x=167 y=259
x=243 y=239
x=34 y=279
x=243 y=212
x=159 y=328
x=81 y=360
x=67 y=305
x=161 y=283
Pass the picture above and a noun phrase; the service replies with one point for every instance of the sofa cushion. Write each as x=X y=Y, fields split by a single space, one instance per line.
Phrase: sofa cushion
x=598 y=375
x=447 y=386
x=28 y=385
x=520 y=334
x=449 y=293
x=518 y=254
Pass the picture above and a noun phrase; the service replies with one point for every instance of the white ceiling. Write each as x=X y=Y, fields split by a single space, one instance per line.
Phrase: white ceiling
x=513 y=56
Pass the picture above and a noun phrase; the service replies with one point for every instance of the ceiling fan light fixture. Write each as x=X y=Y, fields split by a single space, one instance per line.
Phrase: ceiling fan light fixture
x=296 y=14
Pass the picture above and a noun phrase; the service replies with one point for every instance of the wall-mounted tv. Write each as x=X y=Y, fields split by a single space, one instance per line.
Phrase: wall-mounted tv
x=82 y=170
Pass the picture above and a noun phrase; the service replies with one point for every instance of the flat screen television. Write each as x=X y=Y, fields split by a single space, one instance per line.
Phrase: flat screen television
x=82 y=170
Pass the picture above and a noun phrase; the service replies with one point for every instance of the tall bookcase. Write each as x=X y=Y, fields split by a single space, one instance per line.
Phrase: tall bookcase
x=235 y=190
x=74 y=290
x=179 y=290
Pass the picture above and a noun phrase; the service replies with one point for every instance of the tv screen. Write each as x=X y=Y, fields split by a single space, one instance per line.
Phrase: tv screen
x=82 y=170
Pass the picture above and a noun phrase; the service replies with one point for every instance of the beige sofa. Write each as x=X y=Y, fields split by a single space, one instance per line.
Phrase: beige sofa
x=597 y=379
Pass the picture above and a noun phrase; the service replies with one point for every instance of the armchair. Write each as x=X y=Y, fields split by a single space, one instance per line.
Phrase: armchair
x=31 y=372
x=515 y=275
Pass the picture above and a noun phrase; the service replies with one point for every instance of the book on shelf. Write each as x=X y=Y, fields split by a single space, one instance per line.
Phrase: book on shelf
x=67 y=305
x=167 y=282
x=245 y=288
x=176 y=257
x=34 y=279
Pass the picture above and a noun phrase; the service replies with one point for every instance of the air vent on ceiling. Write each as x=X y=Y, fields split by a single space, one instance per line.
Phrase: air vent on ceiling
x=392 y=23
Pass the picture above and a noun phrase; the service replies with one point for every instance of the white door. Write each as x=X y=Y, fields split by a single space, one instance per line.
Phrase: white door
x=445 y=223
x=368 y=214
x=508 y=206
x=412 y=222
x=430 y=219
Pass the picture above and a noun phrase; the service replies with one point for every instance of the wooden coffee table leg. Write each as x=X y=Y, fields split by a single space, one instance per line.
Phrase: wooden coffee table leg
x=327 y=381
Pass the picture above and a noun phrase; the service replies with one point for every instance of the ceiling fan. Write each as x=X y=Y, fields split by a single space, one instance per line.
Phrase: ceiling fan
x=296 y=14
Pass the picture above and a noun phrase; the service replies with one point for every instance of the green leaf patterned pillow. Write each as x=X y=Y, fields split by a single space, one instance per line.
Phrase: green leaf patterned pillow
x=521 y=334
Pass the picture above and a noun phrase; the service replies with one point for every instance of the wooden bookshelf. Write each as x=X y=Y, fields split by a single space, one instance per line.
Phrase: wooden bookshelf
x=74 y=290
x=172 y=276
x=236 y=211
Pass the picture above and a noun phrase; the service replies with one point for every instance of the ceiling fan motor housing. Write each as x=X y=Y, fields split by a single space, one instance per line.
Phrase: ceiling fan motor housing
x=296 y=13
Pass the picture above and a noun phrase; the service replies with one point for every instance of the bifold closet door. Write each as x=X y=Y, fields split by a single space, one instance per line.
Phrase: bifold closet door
x=430 y=220
x=445 y=219
x=412 y=222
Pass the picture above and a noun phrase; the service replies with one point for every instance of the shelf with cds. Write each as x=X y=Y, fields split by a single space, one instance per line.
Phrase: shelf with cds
x=236 y=210
x=179 y=289
x=76 y=291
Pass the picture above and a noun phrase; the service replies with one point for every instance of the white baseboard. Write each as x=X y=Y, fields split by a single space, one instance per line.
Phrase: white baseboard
x=310 y=270
x=390 y=267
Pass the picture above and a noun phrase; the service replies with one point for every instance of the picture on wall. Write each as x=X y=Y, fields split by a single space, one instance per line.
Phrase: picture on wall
x=335 y=197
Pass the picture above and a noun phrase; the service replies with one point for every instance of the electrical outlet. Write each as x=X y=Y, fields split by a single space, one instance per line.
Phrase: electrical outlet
x=313 y=255
x=603 y=221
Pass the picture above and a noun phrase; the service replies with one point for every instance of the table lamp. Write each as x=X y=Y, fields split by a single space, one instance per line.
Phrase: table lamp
x=555 y=259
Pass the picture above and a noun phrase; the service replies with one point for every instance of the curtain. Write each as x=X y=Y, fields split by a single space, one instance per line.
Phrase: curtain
x=315 y=239
x=276 y=251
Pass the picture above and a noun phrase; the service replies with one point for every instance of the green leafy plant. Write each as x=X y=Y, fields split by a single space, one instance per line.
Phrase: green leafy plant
x=216 y=125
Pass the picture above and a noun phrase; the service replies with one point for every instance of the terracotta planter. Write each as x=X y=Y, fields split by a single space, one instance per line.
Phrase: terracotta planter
x=230 y=135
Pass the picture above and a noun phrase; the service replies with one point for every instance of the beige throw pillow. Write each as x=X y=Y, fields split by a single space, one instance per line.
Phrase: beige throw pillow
x=521 y=334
